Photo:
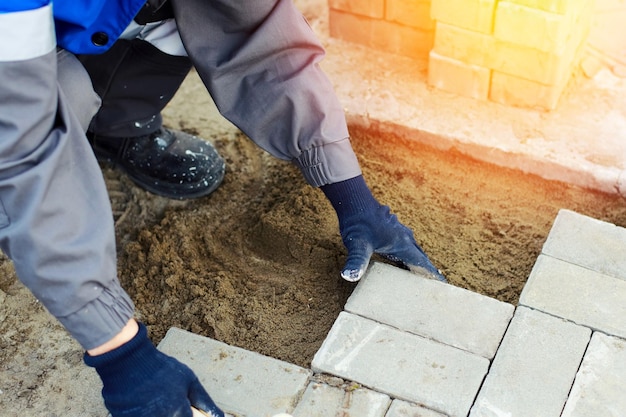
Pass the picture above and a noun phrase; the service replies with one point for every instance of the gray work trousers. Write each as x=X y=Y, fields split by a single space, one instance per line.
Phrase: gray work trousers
x=258 y=60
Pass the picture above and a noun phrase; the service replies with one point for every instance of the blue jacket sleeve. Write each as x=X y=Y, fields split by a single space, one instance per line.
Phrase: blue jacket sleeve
x=7 y=6
x=91 y=27
x=80 y=26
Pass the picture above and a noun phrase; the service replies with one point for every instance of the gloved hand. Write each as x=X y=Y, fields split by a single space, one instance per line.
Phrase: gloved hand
x=368 y=227
x=141 y=381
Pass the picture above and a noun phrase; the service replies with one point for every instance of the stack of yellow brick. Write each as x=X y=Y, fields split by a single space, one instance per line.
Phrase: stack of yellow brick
x=402 y=27
x=516 y=52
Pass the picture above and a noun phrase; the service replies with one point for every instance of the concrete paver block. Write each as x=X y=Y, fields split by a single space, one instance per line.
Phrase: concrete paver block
x=588 y=242
x=577 y=294
x=445 y=313
x=599 y=386
x=237 y=379
x=322 y=400
x=401 y=408
x=403 y=365
x=534 y=368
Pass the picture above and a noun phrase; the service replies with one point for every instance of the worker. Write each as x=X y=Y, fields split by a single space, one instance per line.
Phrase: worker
x=259 y=61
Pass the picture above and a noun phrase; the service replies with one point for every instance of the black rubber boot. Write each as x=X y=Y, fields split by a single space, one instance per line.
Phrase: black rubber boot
x=170 y=163
x=136 y=81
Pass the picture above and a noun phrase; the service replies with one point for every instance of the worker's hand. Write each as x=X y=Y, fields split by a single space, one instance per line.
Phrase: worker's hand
x=140 y=381
x=379 y=231
x=367 y=227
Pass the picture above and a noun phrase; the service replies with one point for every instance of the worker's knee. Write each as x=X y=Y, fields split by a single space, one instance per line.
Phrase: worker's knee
x=77 y=88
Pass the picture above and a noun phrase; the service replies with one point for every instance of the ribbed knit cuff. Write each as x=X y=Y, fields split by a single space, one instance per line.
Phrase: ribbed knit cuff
x=135 y=357
x=350 y=197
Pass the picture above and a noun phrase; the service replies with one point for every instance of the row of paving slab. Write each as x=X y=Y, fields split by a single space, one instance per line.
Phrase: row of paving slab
x=406 y=346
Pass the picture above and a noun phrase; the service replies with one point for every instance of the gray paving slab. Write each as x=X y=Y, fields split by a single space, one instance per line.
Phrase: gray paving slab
x=588 y=242
x=578 y=294
x=534 y=368
x=242 y=383
x=599 y=386
x=403 y=365
x=448 y=314
x=401 y=408
x=323 y=400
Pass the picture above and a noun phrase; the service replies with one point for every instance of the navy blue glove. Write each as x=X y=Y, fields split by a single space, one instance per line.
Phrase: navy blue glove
x=367 y=227
x=141 y=381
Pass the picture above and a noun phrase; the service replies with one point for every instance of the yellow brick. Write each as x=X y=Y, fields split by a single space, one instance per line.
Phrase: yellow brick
x=415 y=13
x=536 y=28
x=554 y=6
x=584 y=19
x=529 y=63
x=401 y=40
x=458 y=77
x=514 y=91
x=350 y=27
x=464 y=45
x=370 y=8
x=476 y=15
x=484 y=50
x=380 y=34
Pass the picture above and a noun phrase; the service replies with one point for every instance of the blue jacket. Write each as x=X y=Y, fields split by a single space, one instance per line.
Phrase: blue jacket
x=81 y=26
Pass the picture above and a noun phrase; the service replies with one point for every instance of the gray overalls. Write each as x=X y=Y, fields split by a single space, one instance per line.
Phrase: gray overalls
x=258 y=60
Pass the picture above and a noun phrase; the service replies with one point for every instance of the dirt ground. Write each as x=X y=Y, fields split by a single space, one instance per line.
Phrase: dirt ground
x=257 y=263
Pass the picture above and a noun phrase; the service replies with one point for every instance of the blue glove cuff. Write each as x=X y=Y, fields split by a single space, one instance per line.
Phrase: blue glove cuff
x=137 y=354
x=350 y=197
x=140 y=381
